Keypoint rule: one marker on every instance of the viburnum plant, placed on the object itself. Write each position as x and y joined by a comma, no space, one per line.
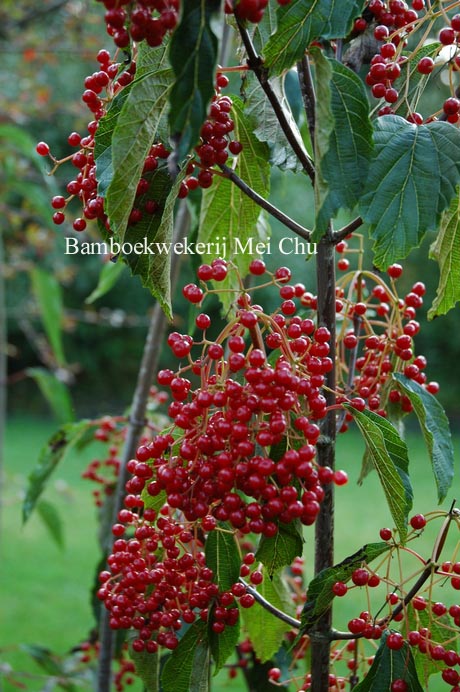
213,515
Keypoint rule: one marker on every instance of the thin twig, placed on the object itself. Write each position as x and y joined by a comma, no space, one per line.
262,202
255,63
281,615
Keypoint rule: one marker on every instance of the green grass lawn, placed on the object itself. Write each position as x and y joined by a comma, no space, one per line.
45,590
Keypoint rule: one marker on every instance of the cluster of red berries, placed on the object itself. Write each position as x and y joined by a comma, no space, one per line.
378,333
215,145
392,22
250,10
148,20
110,80
241,450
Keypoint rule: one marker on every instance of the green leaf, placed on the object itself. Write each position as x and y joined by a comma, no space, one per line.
266,631
223,645
51,519
110,274
267,127
388,453
435,428
390,665
50,456
412,179
47,293
55,392
280,550
147,668
446,251
137,126
302,21
441,633
228,218
343,140
187,669
154,234
320,594
193,57
222,557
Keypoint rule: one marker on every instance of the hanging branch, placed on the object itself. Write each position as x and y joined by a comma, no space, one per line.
136,424
280,614
255,64
262,202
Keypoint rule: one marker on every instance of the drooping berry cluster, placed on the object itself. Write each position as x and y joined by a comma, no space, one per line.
100,88
215,144
148,20
391,23
376,338
240,454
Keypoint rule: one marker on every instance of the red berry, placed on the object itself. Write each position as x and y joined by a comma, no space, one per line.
446,36
395,641
425,65
418,521
42,149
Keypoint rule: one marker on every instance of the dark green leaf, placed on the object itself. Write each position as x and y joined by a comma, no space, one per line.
343,140
302,21
147,668
154,234
390,665
222,556
435,428
320,594
412,179
223,645
55,392
446,251
137,126
280,550
110,273
193,56
187,669
50,456
47,293
51,519
266,631
388,453
228,218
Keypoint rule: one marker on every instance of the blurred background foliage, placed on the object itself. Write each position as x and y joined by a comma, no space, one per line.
47,49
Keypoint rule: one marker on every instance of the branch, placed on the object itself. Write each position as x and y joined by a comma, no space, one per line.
262,202
346,230
148,367
256,65
308,94
280,614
